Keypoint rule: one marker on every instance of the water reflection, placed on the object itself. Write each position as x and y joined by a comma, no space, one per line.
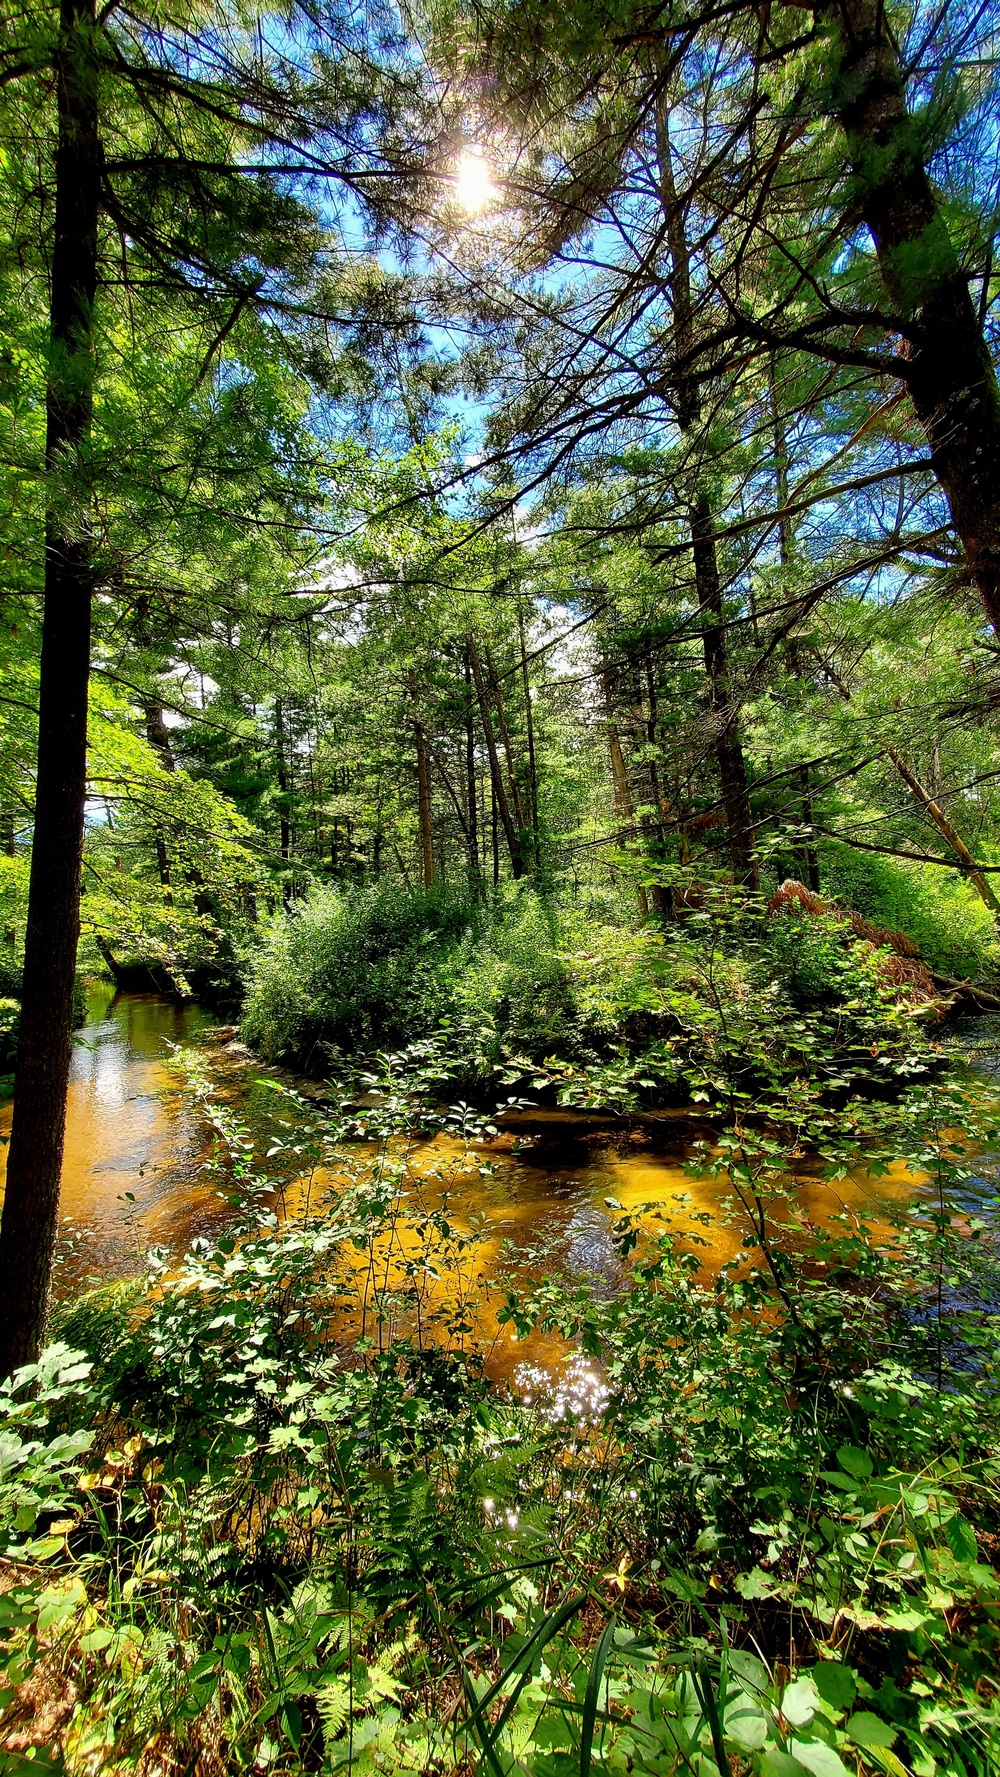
132,1141
135,1176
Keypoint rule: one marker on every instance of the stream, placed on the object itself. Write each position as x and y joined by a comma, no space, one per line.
135,1173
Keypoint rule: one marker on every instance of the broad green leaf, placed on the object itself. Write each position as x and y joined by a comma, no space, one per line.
835,1683
819,1758
961,1539
856,1462
866,1729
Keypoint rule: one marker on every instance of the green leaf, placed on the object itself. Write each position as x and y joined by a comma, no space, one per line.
591,1696
856,1462
866,1729
780,1764
835,1683
961,1539
799,1701
819,1758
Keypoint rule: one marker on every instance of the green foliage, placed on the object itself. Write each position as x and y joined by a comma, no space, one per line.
354,970
524,990
748,1530
954,931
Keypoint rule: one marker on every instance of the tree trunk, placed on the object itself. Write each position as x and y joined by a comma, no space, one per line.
423,788
529,722
619,778
472,799
31,1203
948,370
807,852
496,776
284,827
708,587
515,793
494,833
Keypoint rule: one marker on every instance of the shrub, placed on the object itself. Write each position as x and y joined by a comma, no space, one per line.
359,971
955,933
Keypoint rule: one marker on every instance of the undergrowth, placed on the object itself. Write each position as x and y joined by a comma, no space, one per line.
523,990
265,1512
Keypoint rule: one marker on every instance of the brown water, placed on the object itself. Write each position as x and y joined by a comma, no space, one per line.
136,1174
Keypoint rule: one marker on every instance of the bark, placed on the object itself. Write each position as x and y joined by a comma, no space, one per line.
502,806
423,788
494,834
624,809
807,852
529,721
515,792
285,830
708,587
948,369
472,798
31,1203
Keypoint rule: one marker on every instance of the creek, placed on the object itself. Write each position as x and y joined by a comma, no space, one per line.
136,1171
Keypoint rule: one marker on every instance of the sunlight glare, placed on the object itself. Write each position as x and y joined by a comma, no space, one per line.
475,189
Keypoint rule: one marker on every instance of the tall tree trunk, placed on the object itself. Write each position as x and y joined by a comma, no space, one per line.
515,792
471,794
496,776
423,787
807,852
948,369
494,833
708,587
529,722
619,778
34,1163
284,824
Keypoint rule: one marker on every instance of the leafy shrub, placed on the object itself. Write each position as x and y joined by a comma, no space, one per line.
354,970
596,1013
955,933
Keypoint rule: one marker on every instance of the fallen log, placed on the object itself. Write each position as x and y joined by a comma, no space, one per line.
974,992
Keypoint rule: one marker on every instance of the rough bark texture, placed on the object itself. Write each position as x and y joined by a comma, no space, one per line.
708,588
948,369
501,804
31,1203
423,788
624,809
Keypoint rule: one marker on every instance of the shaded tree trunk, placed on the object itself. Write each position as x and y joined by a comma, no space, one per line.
423,788
807,852
502,806
471,793
947,366
708,587
515,792
31,1204
529,722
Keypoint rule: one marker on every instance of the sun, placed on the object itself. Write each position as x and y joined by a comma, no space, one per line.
474,185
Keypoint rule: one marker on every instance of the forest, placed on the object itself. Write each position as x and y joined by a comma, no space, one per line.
500,888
